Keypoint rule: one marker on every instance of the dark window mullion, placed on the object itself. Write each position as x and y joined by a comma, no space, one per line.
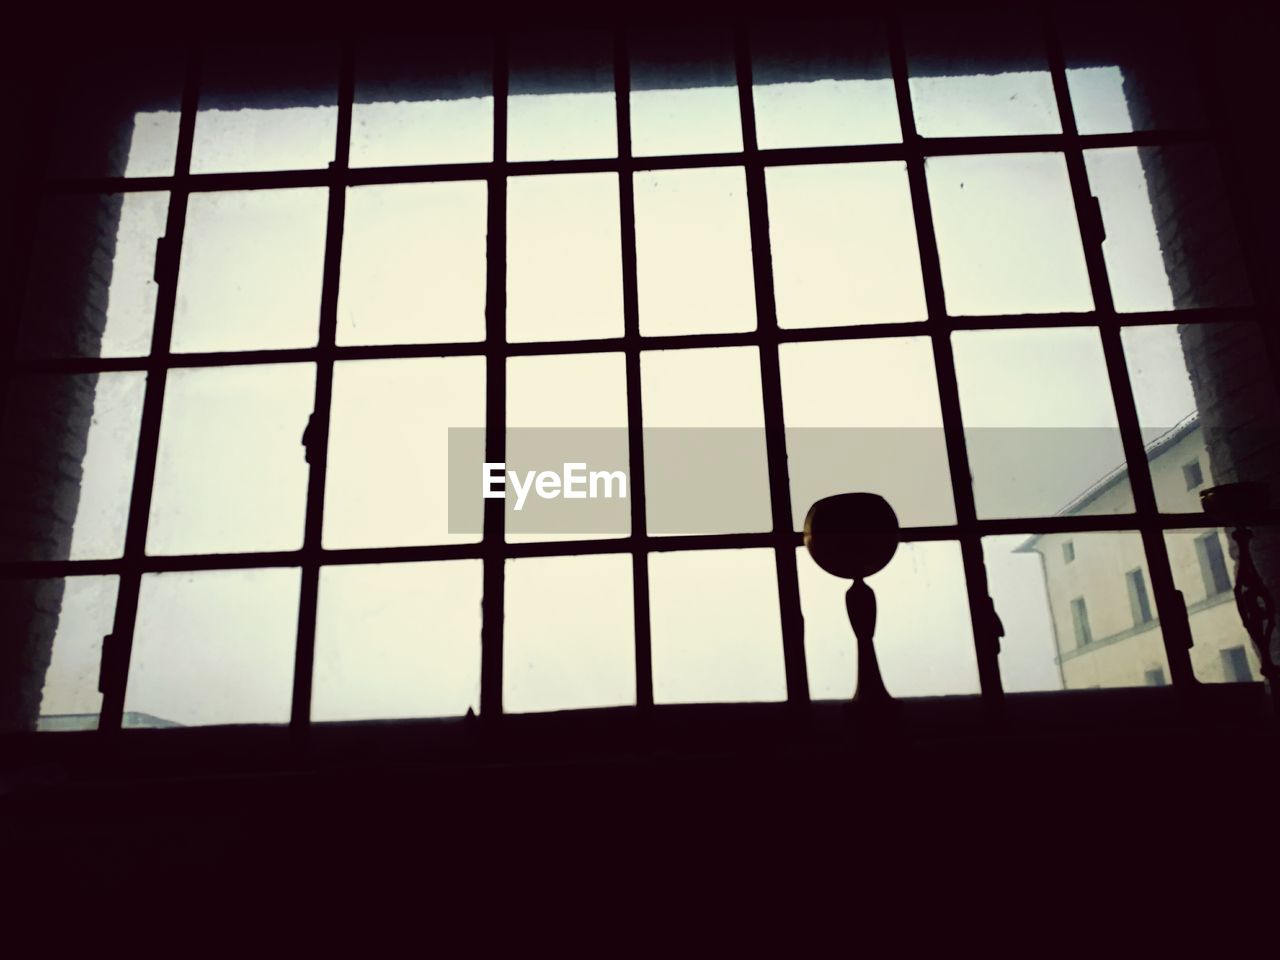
117,651
684,341
426,173
985,634
318,427
632,345
1176,631
493,604
771,386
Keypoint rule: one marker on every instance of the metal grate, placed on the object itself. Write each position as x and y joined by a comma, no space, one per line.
968,530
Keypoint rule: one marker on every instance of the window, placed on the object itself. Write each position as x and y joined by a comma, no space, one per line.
1139,605
1080,621
1192,474
1235,665
1213,565
869,252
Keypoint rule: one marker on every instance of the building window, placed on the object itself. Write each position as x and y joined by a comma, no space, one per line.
1213,565
1155,677
774,229
1139,605
1235,665
1192,473
1080,620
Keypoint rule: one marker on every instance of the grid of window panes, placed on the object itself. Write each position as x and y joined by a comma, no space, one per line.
877,226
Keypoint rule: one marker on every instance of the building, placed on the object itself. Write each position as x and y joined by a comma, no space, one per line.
1105,626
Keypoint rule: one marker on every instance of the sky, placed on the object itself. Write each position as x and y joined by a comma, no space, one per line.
403,640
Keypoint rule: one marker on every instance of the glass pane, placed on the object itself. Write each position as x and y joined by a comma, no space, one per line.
214,647
561,104
716,629
843,240
706,468
684,93
251,272
1208,408
1128,71
428,100
413,264
822,84
865,415
388,448
231,473
269,107
568,638
980,74
69,446
1007,234
91,290
55,629
1171,243
125,128
564,258
1040,424
1072,618
693,250
923,638
398,641
1205,564
569,408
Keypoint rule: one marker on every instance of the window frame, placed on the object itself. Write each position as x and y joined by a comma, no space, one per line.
968,530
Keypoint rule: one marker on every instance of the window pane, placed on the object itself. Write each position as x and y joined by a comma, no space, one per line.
561,104
923,638
1205,563
231,473
1205,396
252,269
823,84
1070,625
979,75
1007,235
865,415
843,241
428,100
214,647
684,93
398,640
564,258
413,264
1040,424
706,469
269,107
60,651
125,128
716,629
1170,244
569,637
69,446
1129,71
568,408
693,248
91,290
388,448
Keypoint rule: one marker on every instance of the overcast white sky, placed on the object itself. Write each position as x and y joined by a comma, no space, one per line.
403,641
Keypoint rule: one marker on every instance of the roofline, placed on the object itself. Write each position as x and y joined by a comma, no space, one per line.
1154,449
